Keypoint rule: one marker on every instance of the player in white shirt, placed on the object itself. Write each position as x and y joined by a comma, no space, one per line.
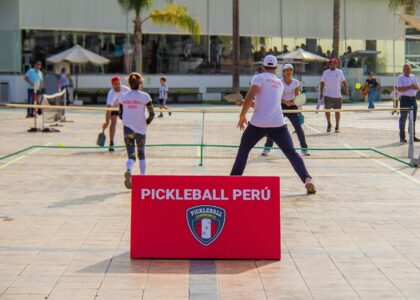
133,106
267,120
291,90
111,117
407,87
331,82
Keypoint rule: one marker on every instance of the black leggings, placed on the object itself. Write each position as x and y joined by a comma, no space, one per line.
281,136
294,119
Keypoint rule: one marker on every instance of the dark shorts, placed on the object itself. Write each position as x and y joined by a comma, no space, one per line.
114,113
334,103
162,101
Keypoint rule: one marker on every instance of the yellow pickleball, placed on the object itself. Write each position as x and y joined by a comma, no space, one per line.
61,145
358,86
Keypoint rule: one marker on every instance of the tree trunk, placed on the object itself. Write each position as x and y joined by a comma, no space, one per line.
138,50
336,29
236,46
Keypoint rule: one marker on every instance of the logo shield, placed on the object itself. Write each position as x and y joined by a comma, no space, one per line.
206,222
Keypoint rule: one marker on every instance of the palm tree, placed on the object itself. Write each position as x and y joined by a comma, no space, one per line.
171,14
336,29
410,5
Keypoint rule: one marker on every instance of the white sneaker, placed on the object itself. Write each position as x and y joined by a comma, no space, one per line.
127,181
265,152
310,187
305,153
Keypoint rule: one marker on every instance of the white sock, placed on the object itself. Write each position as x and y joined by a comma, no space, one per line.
130,164
142,167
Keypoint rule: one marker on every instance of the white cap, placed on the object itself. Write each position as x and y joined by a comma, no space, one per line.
287,66
270,61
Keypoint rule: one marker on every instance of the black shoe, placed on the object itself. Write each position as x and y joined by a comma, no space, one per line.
337,130
170,113
329,128
416,139
403,141
111,147
160,116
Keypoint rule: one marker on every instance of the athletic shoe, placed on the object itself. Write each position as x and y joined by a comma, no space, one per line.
337,130
170,113
416,139
310,187
329,128
111,147
305,153
160,116
127,181
265,152
403,141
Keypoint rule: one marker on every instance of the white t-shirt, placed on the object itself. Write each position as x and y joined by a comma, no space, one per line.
404,81
267,107
134,110
289,89
163,91
113,96
333,80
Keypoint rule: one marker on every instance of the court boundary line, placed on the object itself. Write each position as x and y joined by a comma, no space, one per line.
379,162
31,150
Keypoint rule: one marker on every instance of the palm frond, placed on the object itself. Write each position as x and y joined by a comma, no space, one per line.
395,4
177,15
135,5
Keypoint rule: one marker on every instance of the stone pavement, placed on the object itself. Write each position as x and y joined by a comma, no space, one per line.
64,234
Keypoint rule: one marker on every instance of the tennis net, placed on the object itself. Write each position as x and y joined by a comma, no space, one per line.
211,134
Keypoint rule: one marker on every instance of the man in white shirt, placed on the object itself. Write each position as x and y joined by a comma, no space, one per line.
331,82
112,101
407,86
267,120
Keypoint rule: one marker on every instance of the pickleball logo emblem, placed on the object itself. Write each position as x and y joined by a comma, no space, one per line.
206,222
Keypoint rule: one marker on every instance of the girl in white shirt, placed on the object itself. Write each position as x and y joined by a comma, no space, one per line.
133,106
291,90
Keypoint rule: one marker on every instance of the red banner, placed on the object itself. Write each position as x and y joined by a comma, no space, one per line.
231,217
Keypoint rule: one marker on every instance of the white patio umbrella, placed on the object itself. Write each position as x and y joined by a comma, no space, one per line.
301,55
78,55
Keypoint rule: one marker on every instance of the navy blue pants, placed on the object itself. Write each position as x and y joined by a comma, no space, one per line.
294,119
407,102
30,110
281,136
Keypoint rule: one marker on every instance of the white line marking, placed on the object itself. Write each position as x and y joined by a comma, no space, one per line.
374,160
21,157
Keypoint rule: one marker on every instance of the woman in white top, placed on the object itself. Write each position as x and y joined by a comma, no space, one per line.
291,90
133,106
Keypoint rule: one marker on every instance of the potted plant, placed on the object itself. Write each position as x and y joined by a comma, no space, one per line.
386,93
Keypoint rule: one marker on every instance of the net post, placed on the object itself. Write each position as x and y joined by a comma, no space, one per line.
43,115
415,162
411,134
202,140
65,104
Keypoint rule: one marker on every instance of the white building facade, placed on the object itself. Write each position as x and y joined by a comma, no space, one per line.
33,30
